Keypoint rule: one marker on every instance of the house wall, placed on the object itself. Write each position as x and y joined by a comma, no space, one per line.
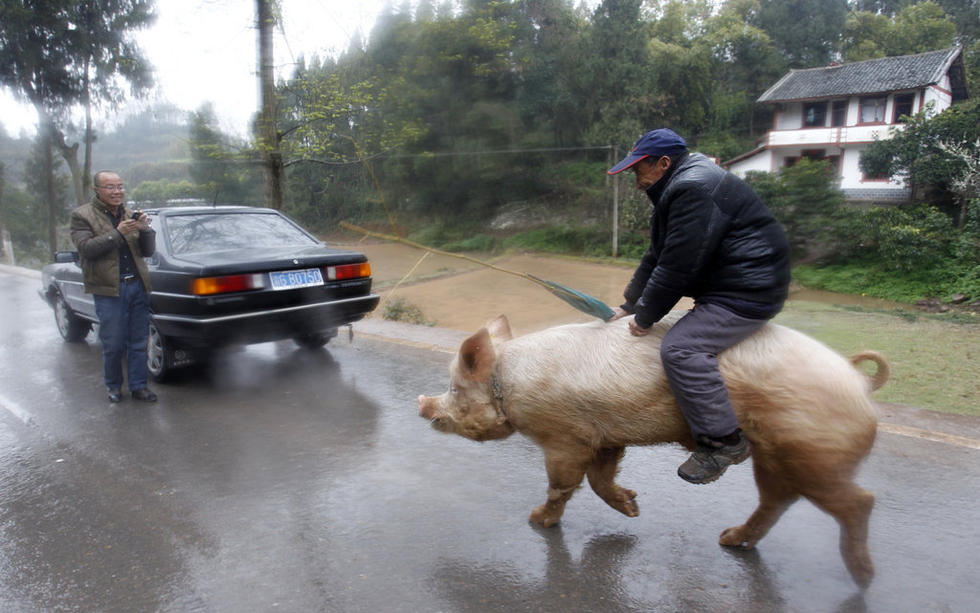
789,139
762,162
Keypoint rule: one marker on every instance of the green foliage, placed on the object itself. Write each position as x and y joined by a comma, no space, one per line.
917,151
158,193
803,197
805,31
920,27
587,241
28,236
903,254
903,239
480,243
916,28
399,309
869,278
222,171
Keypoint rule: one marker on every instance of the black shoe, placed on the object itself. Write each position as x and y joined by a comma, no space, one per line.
115,396
144,395
712,457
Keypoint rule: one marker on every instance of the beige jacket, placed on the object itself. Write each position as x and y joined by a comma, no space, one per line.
98,243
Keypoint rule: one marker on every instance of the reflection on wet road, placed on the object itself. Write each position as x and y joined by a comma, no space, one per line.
290,480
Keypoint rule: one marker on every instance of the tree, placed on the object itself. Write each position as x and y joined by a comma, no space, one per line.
914,29
744,63
923,152
2,224
965,184
267,135
57,54
803,197
919,28
106,60
805,31
864,35
221,167
35,60
44,177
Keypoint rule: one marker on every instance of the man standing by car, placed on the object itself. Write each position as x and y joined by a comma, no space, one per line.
711,238
111,243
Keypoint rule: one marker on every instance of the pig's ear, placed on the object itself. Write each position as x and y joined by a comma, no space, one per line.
499,329
476,356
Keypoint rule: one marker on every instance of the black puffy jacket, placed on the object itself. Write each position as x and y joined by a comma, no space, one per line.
710,235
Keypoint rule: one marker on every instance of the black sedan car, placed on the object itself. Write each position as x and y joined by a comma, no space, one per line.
227,275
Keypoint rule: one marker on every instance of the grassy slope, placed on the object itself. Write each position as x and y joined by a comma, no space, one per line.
934,364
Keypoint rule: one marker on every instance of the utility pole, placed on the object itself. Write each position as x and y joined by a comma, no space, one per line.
615,215
267,136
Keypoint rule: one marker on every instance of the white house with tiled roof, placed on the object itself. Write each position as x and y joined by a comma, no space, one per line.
835,112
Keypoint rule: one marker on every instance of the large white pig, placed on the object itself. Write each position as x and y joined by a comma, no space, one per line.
585,392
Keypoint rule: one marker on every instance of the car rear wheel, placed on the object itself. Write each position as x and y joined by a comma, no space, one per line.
159,355
71,327
314,340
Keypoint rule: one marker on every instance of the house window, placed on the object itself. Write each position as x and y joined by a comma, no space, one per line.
838,114
815,115
873,109
903,106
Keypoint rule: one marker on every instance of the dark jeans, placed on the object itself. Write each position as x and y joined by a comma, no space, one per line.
690,359
124,324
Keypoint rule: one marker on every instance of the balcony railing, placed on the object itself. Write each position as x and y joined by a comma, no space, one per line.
811,137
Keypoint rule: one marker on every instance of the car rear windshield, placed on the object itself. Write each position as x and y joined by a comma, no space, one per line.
226,231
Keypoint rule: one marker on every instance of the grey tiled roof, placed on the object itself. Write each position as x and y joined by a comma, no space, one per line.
868,77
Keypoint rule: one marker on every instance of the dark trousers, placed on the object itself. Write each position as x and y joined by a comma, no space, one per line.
124,324
690,359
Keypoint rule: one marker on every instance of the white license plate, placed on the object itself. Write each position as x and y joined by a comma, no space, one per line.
292,279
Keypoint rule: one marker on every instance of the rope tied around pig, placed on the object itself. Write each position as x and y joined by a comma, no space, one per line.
498,394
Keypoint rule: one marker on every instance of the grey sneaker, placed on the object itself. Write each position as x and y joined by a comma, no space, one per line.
711,458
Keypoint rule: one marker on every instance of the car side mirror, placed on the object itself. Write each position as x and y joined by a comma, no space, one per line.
65,257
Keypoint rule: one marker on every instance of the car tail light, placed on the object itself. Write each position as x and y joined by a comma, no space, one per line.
206,286
348,271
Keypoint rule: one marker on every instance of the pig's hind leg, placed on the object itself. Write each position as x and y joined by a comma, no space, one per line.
566,467
602,477
776,494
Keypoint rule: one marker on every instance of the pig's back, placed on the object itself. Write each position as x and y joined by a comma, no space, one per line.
800,389
595,380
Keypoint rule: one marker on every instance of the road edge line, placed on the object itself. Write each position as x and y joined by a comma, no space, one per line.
929,435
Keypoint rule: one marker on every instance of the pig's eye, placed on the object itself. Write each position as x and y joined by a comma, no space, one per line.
452,389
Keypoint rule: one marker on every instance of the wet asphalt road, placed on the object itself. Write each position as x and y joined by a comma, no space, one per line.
289,480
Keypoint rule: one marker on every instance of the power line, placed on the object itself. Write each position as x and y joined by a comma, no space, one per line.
447,154
503,151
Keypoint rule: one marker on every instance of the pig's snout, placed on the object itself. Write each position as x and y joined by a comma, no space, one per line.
427,406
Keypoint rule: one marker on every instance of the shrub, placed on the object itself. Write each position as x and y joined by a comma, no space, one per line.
398,309
905,239
590,241
804,198
480,242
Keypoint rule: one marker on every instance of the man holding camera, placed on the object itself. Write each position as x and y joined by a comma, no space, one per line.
112,242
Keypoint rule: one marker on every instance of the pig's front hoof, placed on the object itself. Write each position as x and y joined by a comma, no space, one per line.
737,537
543,517
627,503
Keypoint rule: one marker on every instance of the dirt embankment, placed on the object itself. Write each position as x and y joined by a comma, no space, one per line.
463,295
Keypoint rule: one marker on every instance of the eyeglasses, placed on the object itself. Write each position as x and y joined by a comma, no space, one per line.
111,188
